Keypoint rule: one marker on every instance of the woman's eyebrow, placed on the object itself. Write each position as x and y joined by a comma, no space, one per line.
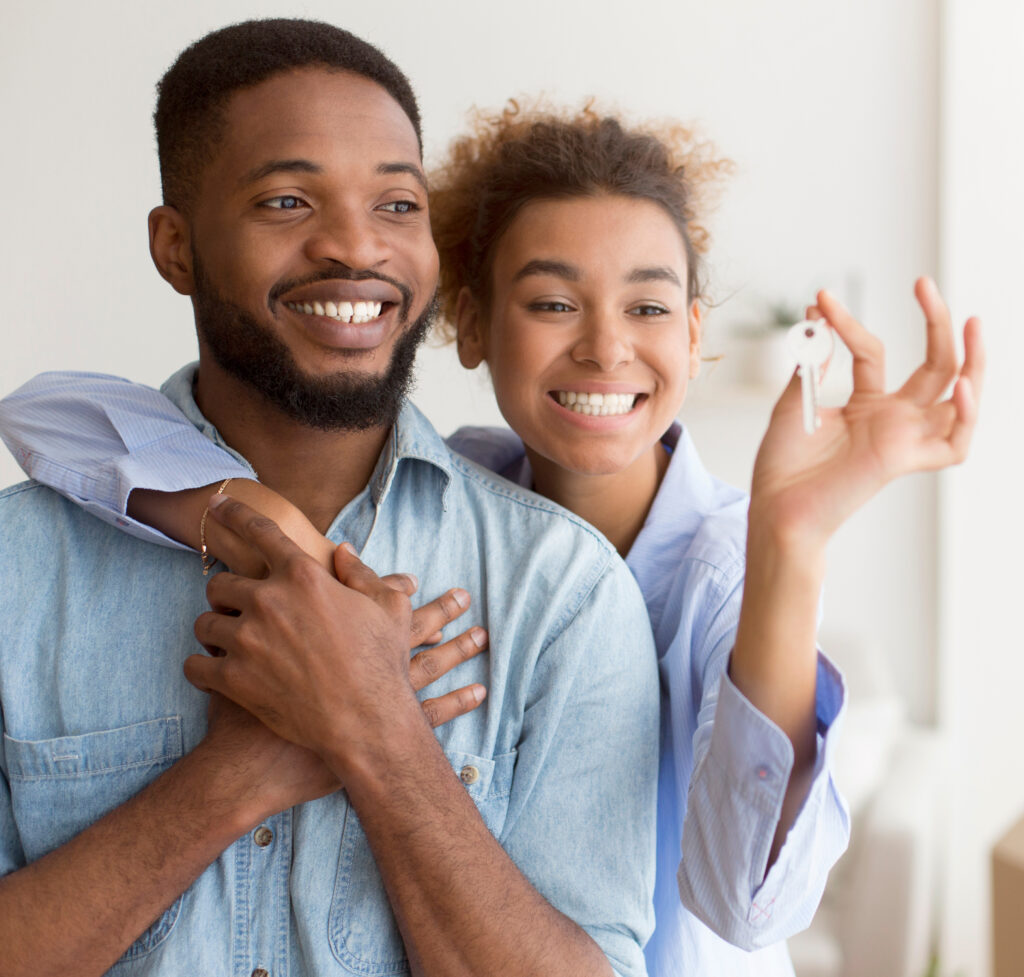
661,273
540,266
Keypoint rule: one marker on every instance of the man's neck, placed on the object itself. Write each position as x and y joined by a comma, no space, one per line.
320,472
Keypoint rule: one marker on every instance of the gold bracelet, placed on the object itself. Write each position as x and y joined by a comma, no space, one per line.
208,562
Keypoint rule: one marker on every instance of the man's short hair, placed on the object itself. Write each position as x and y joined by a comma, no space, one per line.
192,95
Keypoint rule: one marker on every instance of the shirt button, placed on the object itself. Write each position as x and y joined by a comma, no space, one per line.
260,972
263,836
469,774
762,773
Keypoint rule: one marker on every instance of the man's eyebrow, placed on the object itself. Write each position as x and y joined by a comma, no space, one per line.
411,168
541,267
661,273
280,166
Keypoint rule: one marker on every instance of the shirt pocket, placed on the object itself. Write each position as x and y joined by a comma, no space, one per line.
362,929
61,786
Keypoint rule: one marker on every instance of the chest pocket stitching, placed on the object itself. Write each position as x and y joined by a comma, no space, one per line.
153,745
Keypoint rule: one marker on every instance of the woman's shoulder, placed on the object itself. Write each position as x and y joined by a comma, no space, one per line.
496,448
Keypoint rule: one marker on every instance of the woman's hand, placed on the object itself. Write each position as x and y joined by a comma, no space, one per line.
805,486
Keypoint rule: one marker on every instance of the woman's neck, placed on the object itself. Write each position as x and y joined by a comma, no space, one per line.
617,504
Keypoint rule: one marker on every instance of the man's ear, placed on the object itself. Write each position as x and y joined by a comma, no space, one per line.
469,330
170,247
695,328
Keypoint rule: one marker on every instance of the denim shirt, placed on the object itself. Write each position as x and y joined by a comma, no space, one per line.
95,625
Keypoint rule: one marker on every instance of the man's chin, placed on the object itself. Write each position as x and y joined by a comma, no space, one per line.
352,393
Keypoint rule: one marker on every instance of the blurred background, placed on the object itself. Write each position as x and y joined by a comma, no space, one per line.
874,141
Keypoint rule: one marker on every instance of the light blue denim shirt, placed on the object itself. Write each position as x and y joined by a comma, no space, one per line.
95,625
724,765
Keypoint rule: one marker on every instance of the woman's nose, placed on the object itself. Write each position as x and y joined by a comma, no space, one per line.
604,342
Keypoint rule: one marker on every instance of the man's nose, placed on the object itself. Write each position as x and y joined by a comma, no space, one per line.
345,235
604,341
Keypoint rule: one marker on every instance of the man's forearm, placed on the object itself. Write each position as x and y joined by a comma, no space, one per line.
77,909
462,906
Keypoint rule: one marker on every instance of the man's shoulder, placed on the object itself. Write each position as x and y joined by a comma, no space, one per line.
520,506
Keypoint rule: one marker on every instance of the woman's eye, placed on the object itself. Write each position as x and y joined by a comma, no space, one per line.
284,203
401,207
649,310
551,306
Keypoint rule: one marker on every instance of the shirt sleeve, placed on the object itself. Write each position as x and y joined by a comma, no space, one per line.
742,763
95,438
581,817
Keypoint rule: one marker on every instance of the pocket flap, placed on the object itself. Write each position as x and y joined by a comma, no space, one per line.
141,744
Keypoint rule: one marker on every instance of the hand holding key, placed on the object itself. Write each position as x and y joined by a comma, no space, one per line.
808,487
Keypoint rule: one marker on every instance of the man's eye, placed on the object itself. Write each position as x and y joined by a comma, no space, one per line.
401,207
284,203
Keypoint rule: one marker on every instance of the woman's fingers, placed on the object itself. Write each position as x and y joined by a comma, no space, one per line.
866,348
430,620
430,665
928,382
447,707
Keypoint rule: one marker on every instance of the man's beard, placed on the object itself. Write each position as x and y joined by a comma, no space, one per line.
342,401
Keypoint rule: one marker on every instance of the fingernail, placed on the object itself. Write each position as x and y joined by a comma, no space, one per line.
350,549
413,579
479,636
478,693
218,500
461,597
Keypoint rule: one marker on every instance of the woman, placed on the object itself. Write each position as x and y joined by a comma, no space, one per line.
570,252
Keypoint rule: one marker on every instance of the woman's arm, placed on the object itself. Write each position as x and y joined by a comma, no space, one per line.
804,487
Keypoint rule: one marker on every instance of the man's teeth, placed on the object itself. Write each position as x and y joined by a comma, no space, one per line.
596,405
354,312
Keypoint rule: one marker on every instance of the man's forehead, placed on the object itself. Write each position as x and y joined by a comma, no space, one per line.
320,110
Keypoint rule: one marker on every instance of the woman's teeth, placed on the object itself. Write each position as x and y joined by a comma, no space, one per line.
354,312
596,405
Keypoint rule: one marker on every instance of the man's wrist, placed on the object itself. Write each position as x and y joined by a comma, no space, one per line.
384,754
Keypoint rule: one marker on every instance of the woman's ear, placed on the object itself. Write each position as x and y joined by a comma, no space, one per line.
469,330
170,247
694,320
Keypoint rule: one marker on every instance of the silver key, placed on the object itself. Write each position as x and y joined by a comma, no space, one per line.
811,344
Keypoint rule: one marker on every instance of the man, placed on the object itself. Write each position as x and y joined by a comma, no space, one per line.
518,839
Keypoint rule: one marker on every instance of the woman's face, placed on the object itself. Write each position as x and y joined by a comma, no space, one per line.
588,304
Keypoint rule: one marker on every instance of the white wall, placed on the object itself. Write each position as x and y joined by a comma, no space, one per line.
981,664
828,108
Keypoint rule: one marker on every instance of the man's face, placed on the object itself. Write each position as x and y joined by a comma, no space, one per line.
313,265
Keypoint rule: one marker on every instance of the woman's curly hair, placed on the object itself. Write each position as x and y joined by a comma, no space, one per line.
535,152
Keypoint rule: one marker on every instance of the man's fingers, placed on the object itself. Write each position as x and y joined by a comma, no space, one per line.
203,672
404,583
257,530
446,707
429,620
215,631
357,576
430,665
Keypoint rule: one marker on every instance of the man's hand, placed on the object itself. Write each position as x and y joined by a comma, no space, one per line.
322,662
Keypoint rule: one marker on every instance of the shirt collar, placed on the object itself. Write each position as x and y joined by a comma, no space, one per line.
412,437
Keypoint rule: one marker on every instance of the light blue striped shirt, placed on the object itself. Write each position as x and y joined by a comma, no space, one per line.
724,765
